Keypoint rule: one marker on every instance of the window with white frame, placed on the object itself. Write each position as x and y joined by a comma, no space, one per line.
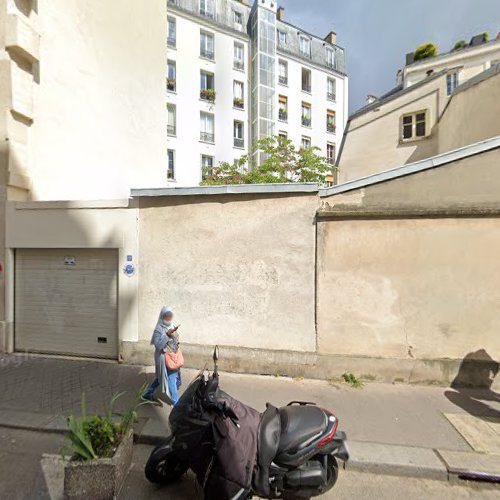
331,89
239,56
171,32
207,127
171,76
306,114
330,153
207,8
238,95
451,82
171,119
283,72
306,80
283,108
207,86
171,164
414,125
305,46
331,121
281,37
282,136
305,142
207,165
238,19
330,57
239,137
207,45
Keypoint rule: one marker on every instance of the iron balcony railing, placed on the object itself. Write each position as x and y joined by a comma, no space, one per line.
283,80
239,143
306,121
306,88
330,96
283,115
206,137
171,42
330,127
237,64
171,129
207,53
330,160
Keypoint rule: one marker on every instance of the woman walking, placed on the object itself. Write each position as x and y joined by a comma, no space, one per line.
164,339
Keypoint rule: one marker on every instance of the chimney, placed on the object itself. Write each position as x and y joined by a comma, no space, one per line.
331,38
280,13
370,98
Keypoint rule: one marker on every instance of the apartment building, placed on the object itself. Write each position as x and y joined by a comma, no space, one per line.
237,73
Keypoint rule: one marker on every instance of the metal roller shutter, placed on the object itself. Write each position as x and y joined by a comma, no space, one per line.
66,301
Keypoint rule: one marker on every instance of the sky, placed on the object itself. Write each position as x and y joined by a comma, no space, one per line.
377,34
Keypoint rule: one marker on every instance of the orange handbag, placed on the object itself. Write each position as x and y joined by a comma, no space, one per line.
174,360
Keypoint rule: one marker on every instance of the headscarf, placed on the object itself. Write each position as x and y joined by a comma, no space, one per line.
162,327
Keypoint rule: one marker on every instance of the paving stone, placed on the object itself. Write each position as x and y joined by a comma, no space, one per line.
479,432
395,460
471,464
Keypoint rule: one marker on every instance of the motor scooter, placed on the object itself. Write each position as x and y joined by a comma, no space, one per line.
294,454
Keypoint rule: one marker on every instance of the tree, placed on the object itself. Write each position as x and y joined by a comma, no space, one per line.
281,162
426,50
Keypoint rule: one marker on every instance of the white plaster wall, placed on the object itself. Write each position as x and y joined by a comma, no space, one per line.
100,117
187,145
319,103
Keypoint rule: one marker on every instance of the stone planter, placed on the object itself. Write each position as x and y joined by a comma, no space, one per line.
99,479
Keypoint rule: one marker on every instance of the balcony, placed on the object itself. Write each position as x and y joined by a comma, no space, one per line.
306,121
283,115
171,130
239,65
330,96
171,42
171,84
238,103
207,13
207,95
306,88
283,80
331,128
207,137
239,143
207,53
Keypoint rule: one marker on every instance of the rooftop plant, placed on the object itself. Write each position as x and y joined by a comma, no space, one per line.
425,51
460,45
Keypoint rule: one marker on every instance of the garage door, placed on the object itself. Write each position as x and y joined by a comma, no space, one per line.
66,302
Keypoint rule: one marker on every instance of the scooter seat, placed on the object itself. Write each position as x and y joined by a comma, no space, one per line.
300,425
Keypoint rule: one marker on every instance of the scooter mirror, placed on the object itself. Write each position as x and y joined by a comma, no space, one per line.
216,354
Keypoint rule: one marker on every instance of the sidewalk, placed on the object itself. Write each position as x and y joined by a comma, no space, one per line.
396,429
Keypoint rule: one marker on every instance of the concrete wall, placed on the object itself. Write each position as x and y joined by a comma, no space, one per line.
99,103
239,269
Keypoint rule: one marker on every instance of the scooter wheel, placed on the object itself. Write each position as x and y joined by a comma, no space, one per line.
163,466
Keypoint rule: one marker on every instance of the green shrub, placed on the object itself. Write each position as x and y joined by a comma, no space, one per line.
352,380
486,36
460,45
425,51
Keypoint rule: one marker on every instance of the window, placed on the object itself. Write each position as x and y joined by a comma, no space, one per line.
283,72
207,164
239,56
238,19
281,37
206,45
331,125
171,164
282,136
207,8
207,127
239,138
331,89
207,89
238,96
306,80
305,143
306,114
414,125
283,108
171,119
171,76
330,57
330,153
451,83
171,32
305,46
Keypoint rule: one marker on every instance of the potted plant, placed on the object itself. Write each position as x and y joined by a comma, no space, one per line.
425,51
100,448
238,102
171,84
207,94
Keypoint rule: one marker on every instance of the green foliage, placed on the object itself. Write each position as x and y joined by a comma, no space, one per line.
460,45
425,51
98,436
352,380
281,162
208,94
486,36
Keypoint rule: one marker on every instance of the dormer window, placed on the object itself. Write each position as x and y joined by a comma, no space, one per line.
305,46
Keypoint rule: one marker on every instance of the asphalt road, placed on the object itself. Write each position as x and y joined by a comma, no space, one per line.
21,479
